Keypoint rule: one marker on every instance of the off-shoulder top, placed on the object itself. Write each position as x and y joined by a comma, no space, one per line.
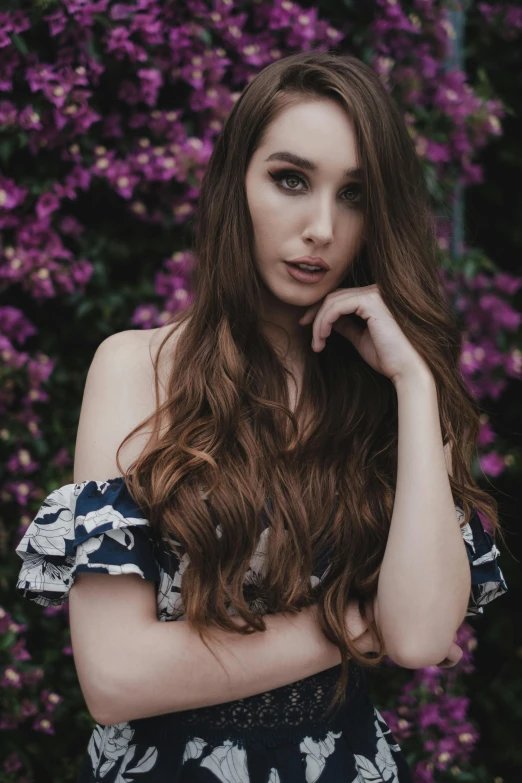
278,736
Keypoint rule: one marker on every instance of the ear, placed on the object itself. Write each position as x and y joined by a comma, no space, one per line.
447,456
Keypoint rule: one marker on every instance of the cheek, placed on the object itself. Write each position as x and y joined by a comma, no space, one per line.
266,219
354,227
264,207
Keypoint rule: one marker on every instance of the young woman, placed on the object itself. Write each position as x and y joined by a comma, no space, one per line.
286,467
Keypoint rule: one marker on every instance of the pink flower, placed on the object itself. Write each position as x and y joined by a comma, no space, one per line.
46,205
493,463
44,723
12,763
28,708
10,678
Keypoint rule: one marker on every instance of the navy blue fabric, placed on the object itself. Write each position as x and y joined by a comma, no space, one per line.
487,580
93,527
274,737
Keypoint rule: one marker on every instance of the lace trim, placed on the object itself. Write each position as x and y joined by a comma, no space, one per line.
282,714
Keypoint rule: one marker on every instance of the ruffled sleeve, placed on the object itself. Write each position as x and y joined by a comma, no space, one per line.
93,526
487,580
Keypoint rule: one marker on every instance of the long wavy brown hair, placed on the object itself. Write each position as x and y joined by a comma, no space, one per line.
226,448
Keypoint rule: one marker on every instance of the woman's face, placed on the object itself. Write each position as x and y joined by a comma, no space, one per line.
310,207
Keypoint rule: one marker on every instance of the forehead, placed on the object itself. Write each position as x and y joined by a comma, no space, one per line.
319,130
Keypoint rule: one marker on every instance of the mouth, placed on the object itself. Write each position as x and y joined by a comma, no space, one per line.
309,263
305,275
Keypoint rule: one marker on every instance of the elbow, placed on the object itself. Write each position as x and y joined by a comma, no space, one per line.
98,709
102,712
104,700
414,661
418,653
419,657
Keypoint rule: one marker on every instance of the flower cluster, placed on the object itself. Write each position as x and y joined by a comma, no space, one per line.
24,701
505,19
449,120
431,709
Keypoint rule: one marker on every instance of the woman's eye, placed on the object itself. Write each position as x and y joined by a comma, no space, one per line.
279,176
354,189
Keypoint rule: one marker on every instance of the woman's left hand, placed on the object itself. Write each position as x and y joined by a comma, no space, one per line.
380,342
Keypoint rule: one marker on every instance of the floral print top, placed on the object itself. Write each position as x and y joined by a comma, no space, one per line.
279,736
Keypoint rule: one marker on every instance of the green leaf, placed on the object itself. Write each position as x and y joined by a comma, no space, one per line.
91,48
7,640
205,36
6,149
85,307
23,139
469,268
19,44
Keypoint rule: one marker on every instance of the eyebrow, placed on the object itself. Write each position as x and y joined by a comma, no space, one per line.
309,165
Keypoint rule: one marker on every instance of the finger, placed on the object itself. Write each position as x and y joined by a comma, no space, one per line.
331,310
322,326
310,314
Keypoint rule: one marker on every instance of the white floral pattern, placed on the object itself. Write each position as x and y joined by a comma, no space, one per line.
95,526
111,746
228,763
316,754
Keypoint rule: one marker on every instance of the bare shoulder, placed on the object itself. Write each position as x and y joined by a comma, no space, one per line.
119,396
155,339
135,351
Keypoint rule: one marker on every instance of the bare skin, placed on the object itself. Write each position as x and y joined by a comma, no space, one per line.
312,213
296,211
308,213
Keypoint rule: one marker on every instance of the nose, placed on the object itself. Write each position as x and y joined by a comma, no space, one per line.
320,224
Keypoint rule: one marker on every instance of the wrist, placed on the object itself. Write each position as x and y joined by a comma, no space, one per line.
419,378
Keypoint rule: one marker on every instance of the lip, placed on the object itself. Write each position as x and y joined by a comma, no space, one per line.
305,277
314,260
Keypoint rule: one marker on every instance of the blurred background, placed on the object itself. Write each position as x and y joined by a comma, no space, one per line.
108,113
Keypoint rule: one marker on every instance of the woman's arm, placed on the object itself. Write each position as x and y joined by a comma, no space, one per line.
175,671
424,582
130,665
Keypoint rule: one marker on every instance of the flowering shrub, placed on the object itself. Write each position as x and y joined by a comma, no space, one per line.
108,112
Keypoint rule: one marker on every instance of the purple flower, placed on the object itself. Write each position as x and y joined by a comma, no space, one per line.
70,225
10,678
151,82
57,22
22,462
44,723
11,195
493,463
486,434
507,283
437,152
12,763
15,325
18,651
46,205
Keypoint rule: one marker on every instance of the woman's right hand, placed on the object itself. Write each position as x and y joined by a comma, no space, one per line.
358,628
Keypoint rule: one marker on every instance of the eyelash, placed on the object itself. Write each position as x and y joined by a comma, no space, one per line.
280,175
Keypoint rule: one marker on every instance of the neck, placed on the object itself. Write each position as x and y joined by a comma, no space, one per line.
279,323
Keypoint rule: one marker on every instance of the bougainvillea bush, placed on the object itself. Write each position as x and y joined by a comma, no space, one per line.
108,113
